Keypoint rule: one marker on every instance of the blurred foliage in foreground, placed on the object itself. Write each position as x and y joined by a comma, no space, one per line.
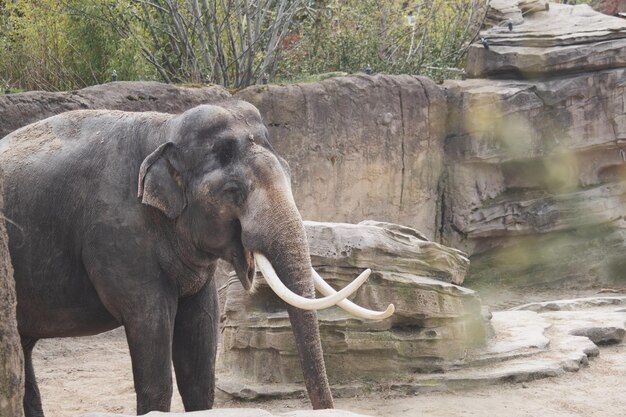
68,44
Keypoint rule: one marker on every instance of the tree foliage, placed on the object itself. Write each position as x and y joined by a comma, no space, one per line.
67,44
228,42
60,45
420,37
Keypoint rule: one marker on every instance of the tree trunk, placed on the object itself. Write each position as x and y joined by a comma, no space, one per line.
11,361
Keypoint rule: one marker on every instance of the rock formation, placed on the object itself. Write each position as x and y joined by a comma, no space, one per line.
535,163
11,362
434,326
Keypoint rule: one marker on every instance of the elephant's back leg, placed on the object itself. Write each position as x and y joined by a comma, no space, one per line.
32,397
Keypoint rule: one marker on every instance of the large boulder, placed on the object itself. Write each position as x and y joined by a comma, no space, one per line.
435,323
11,360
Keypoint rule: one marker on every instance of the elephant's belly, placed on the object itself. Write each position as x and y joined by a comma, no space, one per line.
38,322
69,308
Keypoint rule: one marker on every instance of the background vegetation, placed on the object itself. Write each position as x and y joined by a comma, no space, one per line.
69,44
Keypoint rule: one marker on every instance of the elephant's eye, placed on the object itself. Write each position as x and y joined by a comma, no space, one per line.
226,151
234,191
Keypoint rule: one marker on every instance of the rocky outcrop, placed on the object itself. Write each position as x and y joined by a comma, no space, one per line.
559,39
17,110
535,169
383,247
11,361
529,345
434,325
360,147
534,157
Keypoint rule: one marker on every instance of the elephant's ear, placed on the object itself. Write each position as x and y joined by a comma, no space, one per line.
160,183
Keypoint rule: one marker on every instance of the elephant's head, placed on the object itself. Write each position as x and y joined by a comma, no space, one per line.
219,180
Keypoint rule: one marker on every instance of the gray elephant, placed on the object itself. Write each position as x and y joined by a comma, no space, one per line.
119,218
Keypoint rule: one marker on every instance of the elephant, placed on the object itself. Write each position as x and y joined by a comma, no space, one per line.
118,219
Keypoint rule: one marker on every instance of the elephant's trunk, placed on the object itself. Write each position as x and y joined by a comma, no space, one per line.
273,230
292,264
276,231
307,335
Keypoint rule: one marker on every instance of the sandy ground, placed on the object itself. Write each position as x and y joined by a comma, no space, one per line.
94,374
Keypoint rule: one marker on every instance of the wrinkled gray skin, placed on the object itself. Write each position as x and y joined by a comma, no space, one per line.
90,255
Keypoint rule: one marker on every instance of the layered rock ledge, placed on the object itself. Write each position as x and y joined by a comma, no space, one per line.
435,323
534,341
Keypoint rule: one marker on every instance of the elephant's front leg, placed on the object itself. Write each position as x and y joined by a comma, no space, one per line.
195,347
149,334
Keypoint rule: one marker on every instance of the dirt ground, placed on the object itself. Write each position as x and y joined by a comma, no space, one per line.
94,374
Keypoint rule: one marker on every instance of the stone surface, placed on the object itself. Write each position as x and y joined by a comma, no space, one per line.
563,39
11,361
435,323
575,304
601,336
605,325
360,147
18,110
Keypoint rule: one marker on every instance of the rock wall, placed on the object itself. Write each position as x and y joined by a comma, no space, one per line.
360,147
11,361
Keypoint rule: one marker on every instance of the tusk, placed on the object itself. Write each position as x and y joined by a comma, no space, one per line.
323,287
296,300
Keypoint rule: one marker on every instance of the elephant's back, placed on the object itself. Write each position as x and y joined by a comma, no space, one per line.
82,144
72,135
75,158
